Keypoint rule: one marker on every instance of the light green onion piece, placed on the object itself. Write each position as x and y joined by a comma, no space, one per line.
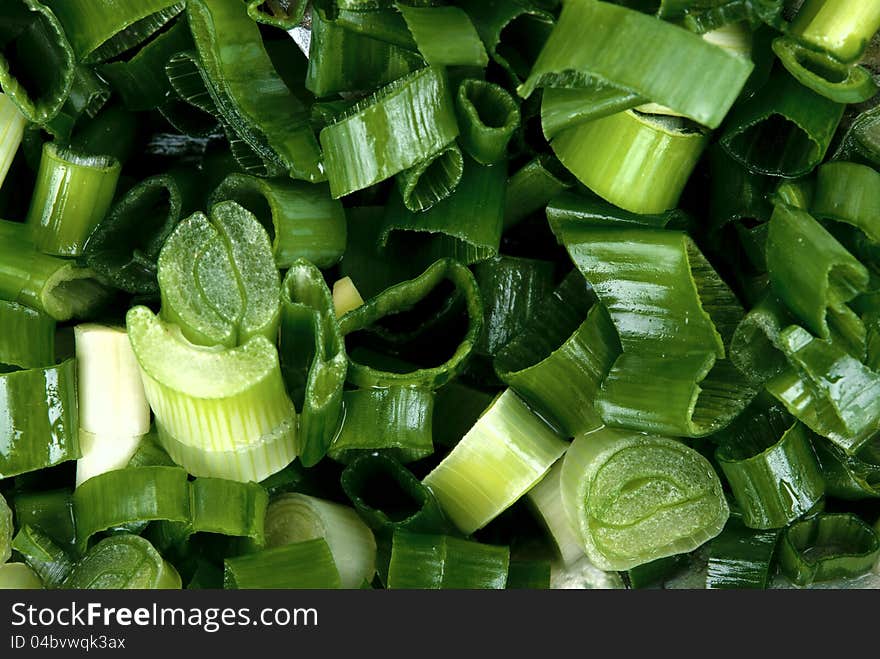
50,563
72,195
634,498
842,28
19,576
445,36
546,501
487,117
500,459
218,280
5,530
293,517
124,562
12,124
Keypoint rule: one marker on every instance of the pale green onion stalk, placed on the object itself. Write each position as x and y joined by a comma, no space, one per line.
12,124
546,501
735,38
18,576
294,517
113,410
498,461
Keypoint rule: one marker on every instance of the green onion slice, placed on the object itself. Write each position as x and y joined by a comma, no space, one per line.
403,296
450,228
531,187
849,192
301,218
488,117
49,511
124,562
387,496
501,458
438,562
849,477
40,422
27,336
19,576
637,54
247,91
785,129
73,192
218,280
432,180
842,29
824,74
100,33
40,82
284,14
444,36
563,108
545,499
559,360
342,60
313,358
294,517
5,530
673,338
391,420
224,411
50,563
124,247
828,546
741,557
12,125
634,498
135,494
771,468
306,564
412,119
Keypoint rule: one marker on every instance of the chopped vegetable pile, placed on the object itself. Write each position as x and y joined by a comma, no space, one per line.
439,294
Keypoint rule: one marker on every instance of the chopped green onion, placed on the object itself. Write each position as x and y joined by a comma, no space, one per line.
415,117
636,53
38,428
635,498
393,420
72,195
18,576
125,562
842,29
849,477
5,530
293,518
488,117
557,363
828,546
501,458
531,187
432,180
849,192
306,564
284,14
636,161
546,500
444,36
771,468
313,358
27,339
218,280
741,557
437,561
824,74
247,91
12,124
785,129
50,512
301,219
50,563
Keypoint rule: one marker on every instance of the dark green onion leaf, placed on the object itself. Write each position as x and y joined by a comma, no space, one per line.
48,511
559,360
639,54
395,421
432,180
487,117
402,296
313,358
44,557
849,477
824,74
563,108
27,336
284,14
247,91
466,226
571,210
828,546
38,418
771,468
341,60
410,119
783,130
444,36
849,192
741,557
437,562
531,187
